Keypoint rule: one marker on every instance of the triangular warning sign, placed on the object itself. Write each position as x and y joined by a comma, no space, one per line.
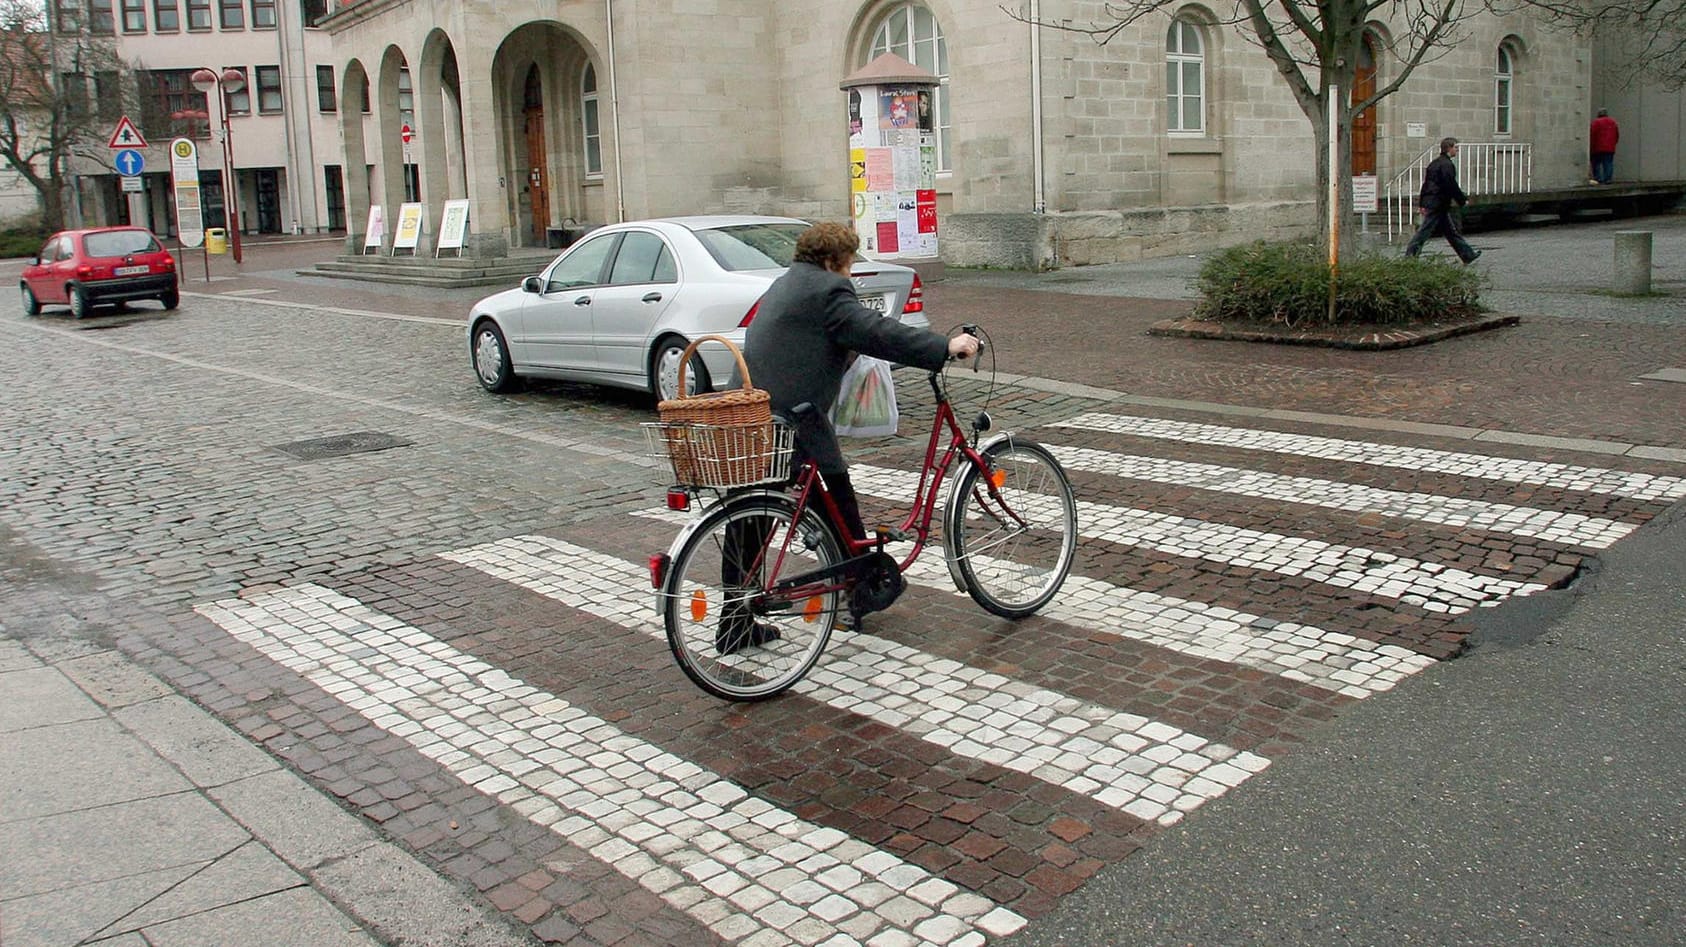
127,135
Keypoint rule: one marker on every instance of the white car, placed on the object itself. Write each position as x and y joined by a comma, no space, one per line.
620,306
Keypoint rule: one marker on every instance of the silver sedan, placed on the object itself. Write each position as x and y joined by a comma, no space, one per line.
620,306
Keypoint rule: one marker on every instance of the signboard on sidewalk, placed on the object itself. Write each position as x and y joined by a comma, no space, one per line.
453,226
408,233
184,173
1364,194
375,232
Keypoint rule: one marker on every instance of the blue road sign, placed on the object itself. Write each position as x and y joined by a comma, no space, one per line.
129,162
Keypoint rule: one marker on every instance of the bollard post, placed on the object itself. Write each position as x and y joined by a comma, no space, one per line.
1633,262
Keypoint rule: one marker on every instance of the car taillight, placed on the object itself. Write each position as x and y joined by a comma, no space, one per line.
749,316
169,262
84,272
915,297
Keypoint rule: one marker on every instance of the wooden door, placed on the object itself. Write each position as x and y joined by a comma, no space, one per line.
535,175
1364,123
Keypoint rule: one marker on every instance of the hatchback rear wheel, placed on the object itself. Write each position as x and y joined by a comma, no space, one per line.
171,299
31,305
79,304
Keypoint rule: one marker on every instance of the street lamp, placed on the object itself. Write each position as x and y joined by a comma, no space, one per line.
226,83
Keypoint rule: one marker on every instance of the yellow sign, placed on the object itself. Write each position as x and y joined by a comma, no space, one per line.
408,234
857,170
184,148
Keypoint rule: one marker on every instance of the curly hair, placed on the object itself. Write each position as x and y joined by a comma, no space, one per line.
825,242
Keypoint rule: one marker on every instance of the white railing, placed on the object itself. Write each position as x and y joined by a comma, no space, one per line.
1484,167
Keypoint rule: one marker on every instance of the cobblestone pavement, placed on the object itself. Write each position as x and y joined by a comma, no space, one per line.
454,637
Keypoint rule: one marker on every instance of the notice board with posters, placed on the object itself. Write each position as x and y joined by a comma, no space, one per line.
893,165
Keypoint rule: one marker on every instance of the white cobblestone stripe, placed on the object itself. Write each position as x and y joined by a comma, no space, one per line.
1576,529
1148,769
1331,660
1639,486
1429,586
744,868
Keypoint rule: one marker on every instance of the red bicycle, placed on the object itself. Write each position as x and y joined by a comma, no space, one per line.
751,590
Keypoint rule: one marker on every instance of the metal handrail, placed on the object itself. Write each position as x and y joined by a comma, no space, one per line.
1484,167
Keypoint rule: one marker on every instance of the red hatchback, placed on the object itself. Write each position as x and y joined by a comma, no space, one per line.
86,268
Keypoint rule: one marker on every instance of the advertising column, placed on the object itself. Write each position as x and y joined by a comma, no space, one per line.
893,159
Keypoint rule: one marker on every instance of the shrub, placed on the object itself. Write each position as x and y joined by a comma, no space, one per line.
16,243
1287,284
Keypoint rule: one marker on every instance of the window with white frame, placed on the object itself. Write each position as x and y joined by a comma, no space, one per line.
913,33
1185,79
589,123
1504,76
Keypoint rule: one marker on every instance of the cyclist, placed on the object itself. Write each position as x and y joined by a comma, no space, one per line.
808,325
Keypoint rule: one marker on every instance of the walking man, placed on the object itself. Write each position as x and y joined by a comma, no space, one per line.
1603,136
1440,189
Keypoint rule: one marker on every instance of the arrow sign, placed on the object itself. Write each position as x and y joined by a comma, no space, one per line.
129,162
126,135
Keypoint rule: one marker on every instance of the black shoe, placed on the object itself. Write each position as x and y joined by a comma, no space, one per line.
850,622
750,636
1473,257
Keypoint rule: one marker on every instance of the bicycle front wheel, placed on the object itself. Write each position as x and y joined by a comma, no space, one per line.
1011,548
732,634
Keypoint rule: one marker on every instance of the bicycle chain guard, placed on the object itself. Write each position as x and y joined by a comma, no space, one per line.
879,584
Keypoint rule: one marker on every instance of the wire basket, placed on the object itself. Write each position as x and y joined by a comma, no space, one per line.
721,455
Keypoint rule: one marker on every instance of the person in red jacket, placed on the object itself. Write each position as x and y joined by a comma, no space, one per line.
1604,134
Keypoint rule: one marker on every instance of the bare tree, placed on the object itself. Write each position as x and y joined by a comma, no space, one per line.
58,90
1316,47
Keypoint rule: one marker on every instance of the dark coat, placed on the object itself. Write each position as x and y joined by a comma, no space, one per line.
799,343
1440,186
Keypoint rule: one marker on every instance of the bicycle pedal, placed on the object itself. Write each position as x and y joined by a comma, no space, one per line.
891,534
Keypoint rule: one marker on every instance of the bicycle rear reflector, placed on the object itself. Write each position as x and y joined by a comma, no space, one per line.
678,499
658,569
811,611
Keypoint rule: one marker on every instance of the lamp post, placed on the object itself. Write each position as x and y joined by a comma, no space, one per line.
226,83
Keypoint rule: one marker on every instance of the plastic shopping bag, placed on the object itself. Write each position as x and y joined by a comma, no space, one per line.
866,403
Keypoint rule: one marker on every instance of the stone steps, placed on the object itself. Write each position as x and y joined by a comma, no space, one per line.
441,272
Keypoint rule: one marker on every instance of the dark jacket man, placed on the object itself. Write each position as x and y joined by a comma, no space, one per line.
1440,185
1440,191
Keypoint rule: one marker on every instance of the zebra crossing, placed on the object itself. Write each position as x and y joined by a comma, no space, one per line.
1117,711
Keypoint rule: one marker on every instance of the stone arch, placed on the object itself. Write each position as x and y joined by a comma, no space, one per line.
535,89
438,91
388,121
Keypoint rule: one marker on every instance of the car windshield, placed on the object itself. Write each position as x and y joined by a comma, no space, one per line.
119,243
752,246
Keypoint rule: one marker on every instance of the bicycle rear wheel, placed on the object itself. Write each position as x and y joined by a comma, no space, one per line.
731,636
1011,550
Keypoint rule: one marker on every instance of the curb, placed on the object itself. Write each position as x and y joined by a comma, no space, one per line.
1364,340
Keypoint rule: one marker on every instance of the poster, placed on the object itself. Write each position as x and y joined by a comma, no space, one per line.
375,232
880,176
857,170
898,108
905,159
887,237
926,203
408,233
452,226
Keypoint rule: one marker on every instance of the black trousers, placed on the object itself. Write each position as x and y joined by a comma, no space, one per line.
1442,222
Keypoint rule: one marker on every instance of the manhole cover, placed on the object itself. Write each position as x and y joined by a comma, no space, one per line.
339,445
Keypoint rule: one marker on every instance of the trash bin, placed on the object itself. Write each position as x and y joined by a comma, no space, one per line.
216,240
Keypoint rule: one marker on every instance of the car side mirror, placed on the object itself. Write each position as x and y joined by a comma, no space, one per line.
532,284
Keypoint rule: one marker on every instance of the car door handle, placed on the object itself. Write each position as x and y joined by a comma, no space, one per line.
582,300
652,297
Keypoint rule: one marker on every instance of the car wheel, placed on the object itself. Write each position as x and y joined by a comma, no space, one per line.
491,358
664,370
79,304
31,305
171,299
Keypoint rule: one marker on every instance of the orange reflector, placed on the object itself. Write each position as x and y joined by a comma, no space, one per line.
811,611
699,605
997,478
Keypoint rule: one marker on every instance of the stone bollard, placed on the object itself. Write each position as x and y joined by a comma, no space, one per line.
1633,262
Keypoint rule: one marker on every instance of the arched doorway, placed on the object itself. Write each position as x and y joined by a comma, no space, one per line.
1364,123
532,111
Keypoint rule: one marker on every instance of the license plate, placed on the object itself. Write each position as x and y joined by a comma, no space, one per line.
132,270
875,302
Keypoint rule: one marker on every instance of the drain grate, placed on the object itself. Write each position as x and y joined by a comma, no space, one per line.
339,445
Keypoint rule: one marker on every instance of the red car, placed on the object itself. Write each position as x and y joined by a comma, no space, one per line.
86,268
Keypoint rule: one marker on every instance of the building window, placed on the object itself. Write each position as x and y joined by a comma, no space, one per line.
269,89
178,109
166,16
233,15
325,90
588,119
134,16
238,103
312,10
198,14
365,93
108,95
1503,75
406,98
913,33
263,14
75,86
70,16
100,19
1185,73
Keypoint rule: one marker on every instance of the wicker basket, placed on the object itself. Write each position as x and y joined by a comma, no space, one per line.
718,438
